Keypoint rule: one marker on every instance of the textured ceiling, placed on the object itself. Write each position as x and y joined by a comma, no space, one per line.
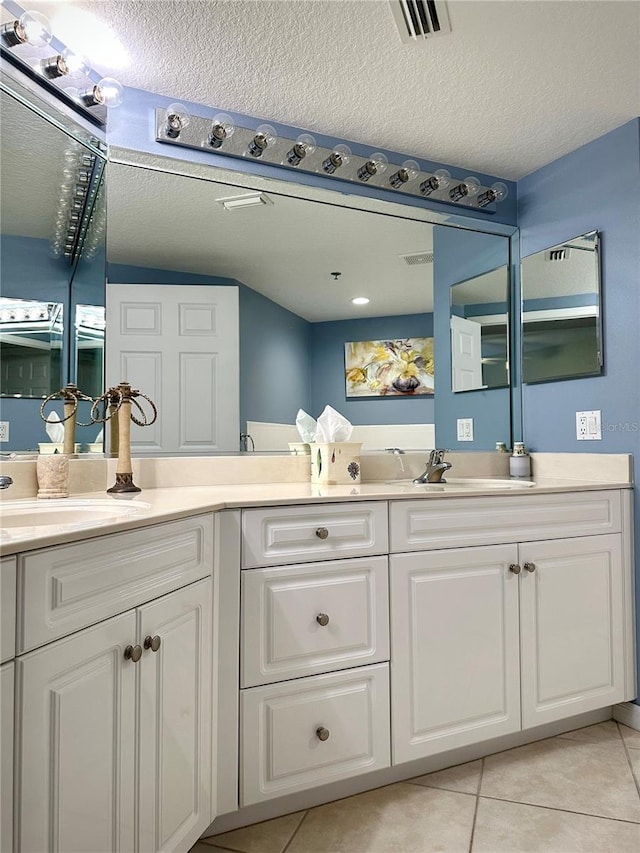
515,85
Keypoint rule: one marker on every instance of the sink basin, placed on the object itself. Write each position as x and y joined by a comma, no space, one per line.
21,519
466,484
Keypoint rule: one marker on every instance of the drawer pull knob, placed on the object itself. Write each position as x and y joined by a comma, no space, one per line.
322,619
322,533
515,568
133,653
322,733
152,643
529,567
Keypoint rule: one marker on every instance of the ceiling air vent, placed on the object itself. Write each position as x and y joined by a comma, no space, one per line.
418,258
557,255
420,19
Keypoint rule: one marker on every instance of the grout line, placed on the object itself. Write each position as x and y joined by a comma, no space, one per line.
564,811
481,776
628,757
438,788
295,832
473,825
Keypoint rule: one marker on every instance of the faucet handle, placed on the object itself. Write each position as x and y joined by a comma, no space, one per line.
437,455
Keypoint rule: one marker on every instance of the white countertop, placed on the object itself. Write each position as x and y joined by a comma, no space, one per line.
165,504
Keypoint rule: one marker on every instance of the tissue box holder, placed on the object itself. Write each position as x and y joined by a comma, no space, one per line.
335,463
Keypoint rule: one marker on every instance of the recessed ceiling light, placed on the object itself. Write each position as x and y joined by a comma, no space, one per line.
360,300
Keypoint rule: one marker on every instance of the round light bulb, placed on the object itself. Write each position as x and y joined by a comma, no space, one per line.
36,28
501,190
308,141
304,144
473,185
109,92
360,300
380,160
268,132
444,178
340,156
265,136
76,63
177,117
222,128
412,168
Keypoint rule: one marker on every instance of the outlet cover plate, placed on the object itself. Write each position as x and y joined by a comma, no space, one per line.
589,426
4,430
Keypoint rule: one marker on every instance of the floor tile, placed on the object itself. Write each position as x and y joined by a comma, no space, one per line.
600,733
630,736
203,847
270,836
593,778
464,778
400,818
634,755
503,827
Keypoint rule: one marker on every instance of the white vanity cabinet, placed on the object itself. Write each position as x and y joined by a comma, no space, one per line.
113,744
7,652
489,639
314,703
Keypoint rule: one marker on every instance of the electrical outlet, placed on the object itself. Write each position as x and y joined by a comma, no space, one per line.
465,429
589,426
4,430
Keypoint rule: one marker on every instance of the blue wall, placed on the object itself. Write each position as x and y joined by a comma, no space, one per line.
458,256
595,187
327,369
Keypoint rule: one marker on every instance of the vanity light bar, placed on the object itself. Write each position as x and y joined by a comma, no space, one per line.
176,126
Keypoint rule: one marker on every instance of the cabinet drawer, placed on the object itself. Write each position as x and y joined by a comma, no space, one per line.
278,535
61,590
299,620
7,608
282,726
459,522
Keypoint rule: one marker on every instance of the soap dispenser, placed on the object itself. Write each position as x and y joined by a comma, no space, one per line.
519,461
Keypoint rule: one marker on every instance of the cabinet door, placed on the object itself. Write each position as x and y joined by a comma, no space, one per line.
76,744
454,649
572,627
6,757
175,720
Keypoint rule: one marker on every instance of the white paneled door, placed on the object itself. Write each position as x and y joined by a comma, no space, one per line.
179,345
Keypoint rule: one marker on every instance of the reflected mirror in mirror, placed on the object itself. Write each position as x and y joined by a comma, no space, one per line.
50,184
298,262
89,337
561,311
480,332
30,347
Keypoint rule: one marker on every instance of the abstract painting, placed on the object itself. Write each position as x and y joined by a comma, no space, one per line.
394,368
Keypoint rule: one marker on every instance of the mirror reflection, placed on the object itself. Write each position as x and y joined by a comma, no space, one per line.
50,198
479,332
561,311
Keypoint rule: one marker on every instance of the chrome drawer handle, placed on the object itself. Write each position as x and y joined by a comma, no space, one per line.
322,619
133,653
152,643
322,733
529,567
322,533
515,568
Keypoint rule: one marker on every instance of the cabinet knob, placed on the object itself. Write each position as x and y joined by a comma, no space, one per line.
322,733
529,567
152,643
133,653
322,533
322,619
515,568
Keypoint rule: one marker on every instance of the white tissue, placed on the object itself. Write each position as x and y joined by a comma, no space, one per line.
306,426
55,431
332,426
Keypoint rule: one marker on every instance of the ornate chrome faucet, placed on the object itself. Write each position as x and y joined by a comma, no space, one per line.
436,466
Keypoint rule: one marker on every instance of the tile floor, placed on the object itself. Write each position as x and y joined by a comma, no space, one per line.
575,793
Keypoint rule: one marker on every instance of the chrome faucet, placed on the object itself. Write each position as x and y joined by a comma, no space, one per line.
436,466
398,453
5,481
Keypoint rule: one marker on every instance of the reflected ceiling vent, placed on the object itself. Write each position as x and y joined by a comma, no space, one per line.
420,19
557,255
418,258
239,202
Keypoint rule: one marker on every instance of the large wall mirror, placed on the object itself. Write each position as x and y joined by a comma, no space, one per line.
562,311
299,255
52,221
